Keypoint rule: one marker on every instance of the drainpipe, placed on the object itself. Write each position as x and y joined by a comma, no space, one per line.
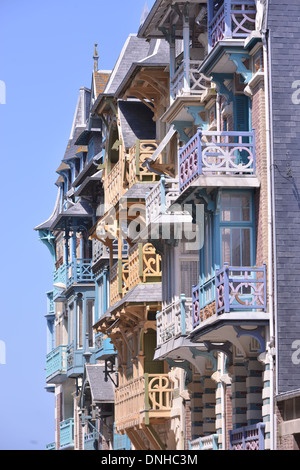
270,182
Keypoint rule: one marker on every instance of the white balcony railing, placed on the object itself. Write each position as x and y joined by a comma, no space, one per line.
174,320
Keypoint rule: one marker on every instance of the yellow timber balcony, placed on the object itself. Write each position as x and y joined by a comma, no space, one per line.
143,400
132,170
142,266
136,171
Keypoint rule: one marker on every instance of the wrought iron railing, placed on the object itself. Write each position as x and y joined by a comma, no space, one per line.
216,153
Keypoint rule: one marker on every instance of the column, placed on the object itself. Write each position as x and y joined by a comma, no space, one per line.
186,53
239,391
254,391
209,401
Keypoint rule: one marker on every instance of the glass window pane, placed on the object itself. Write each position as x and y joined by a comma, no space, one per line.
189,276
236,247
79,324
246,247
226,251
90,322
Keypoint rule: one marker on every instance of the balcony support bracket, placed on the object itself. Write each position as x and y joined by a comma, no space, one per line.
257,334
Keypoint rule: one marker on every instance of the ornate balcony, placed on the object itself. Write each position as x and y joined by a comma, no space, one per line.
67,433
113,185
248,438
143,399
205,443
51,446
233,289
56,365
217,153
138,154
160,198
90,441
143,265
80,271
190,82
59,280
234,20
174,320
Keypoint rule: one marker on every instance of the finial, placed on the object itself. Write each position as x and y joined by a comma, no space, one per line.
144,15
96,58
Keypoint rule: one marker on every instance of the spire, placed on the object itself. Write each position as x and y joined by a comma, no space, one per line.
144,15
96,58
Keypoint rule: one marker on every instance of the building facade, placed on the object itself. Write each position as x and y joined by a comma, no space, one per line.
171,323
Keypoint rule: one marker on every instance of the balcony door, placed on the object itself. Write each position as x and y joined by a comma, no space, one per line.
150,366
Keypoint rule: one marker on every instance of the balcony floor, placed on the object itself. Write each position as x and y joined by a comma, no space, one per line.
218,328
217,181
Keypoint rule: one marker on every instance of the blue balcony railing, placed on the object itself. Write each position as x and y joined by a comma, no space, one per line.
103,346
91,441
248,438
80,271
231,289
56,362
121,441
217,153
51,446
235,19
67,433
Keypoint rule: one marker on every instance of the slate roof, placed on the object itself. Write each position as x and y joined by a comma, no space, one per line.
139,191
157,55
101,391
48,223
133,50
136,121
138,294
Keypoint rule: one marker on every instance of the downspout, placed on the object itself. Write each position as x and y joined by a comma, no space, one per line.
272,294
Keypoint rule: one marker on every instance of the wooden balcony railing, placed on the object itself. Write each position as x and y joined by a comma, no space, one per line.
113,185
56,362
143,265
192,82
161,198
235,19
217,153
231,289
138,154
205,443
248,438
146,397
174,320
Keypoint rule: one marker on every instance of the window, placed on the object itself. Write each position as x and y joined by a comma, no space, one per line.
71,323
237,229
189,272
79,324
90,308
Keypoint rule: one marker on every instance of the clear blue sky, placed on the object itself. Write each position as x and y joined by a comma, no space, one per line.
46,50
